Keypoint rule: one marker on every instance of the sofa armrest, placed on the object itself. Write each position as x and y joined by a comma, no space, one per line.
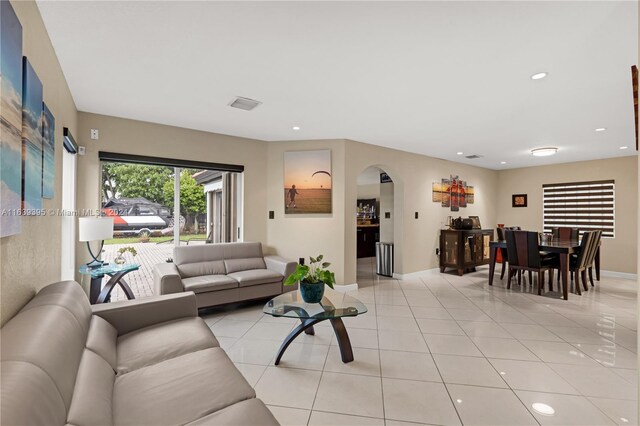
281,266
130,315
166,279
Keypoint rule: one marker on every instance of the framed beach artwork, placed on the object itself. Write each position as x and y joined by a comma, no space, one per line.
11,119
31,138
48,152
307,182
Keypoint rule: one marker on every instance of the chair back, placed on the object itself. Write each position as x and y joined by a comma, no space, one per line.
565,233
500,234
585,257
523,249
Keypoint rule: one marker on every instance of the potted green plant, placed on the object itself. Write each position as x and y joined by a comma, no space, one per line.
120,259
312,278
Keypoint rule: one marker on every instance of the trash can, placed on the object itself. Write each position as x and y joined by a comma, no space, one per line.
384,259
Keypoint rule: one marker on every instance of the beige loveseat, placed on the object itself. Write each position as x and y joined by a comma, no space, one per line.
144,362
223,273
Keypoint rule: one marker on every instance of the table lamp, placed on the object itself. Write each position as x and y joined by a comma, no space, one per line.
95,229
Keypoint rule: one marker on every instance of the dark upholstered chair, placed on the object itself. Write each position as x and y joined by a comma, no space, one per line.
524,255
565,233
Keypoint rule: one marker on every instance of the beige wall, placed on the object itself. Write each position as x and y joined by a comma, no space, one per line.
141,138
31,259
415,239
369,191
619,253
304,235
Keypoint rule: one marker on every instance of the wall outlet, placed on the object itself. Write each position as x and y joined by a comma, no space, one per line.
437,252
387,215
416,215
94,134
272,214
81,150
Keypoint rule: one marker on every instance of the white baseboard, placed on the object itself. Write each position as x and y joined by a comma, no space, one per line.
616,274
345,288
413,274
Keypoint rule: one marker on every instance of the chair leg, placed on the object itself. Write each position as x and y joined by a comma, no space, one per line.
540,282
509,278
531,278
591,276
577,283
558,274
519,277
504,266
584,280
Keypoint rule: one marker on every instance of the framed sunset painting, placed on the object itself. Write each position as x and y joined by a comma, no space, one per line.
307,182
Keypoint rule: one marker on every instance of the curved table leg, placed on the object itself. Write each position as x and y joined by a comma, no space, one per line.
109,286
295,333
127,290
343,340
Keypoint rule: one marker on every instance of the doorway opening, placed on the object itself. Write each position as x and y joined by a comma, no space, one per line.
374,226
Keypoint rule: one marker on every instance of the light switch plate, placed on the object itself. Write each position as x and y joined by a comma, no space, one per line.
94,134
81,150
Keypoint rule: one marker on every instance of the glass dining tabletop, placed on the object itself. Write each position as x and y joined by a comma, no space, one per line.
334,304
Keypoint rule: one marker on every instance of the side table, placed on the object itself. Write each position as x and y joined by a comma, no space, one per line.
99,294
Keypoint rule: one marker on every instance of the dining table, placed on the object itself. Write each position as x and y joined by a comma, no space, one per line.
564,249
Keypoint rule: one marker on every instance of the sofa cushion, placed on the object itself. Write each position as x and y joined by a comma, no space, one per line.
255,277
237,265
29,396
241,250
160,342
250,412
92,396
207,283
205,259
179,390
102,340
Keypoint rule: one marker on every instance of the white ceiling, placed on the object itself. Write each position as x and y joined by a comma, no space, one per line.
427,77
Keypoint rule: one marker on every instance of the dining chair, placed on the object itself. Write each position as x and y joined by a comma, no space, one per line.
503,251
582,261
565,233
593,250
523,253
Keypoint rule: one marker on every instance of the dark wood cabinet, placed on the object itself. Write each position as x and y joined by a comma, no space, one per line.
464,249
368,236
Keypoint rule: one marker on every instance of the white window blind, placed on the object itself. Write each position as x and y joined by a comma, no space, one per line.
583,205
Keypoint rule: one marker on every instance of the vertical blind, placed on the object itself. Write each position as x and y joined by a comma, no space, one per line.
583,205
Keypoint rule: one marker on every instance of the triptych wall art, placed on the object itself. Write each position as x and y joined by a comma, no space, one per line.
27,141
452,193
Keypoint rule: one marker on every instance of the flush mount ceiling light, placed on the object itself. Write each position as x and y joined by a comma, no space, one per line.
544,152
601,129
503,162
460,153
624,147
539,76
295,128
544,409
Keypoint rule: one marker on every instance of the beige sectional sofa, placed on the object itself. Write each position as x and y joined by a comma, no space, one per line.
223,273
144,362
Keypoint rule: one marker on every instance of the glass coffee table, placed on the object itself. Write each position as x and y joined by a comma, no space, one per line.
333,307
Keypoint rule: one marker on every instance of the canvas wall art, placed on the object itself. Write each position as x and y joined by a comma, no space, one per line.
31,138
307,182
10,119
452,193
48,152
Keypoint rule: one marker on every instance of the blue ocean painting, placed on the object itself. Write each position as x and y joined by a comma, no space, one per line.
48,152
31,138
10,120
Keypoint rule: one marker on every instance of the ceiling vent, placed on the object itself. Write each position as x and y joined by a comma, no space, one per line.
473,156
244,103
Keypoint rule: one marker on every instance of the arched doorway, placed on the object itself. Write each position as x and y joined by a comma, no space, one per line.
375,216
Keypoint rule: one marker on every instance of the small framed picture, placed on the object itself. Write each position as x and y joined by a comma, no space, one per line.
519,200
475,220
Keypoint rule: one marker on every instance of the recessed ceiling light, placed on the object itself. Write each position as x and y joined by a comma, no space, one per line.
601,129
460,153
503,162
538,76
624,147
544,409
544,152
295,128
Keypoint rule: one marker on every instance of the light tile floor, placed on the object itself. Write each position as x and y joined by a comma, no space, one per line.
442,349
